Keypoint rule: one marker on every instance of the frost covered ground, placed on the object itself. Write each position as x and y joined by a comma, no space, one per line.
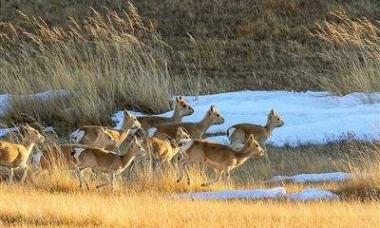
313,178
310,117
273,193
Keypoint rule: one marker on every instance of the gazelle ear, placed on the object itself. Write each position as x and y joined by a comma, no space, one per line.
271,111
126,113
178,99
212,108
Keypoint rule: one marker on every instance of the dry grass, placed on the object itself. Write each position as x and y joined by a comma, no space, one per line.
106,63
143,199
111,58
351,50
20,206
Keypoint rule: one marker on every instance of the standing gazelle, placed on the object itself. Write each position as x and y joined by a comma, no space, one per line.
196,130
222,158
181,109
16,155
104,161
105,137
239,133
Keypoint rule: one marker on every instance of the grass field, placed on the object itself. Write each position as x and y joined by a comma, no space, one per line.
25,206
143,199
115,55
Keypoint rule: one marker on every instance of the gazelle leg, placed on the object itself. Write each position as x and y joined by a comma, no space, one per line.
23,178
181,169
228,175
10,178
85,181
113,180
187,175
79,175
216,179
130,169
169,164
266,156
110,180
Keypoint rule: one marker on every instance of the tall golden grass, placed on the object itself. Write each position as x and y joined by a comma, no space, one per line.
351,49
106,62
112,59
143,198
22,206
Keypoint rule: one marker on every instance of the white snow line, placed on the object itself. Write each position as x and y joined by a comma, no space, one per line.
273,193
310,117
313,178
313,194
259,194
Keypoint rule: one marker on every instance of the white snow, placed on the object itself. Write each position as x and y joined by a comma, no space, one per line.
310,117
273,193
313,194
6,99
5,131
313,177
277,192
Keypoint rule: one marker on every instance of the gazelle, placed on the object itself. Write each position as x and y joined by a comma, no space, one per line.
196,130
105,137
164,148
222,158
104,161
181,109
56,155
239,133
14,155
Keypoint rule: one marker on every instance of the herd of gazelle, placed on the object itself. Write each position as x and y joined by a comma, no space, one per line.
94,147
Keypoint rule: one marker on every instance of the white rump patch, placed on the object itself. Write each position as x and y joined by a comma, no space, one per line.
36,158
230,131
77,136
77,152
152,131
186,144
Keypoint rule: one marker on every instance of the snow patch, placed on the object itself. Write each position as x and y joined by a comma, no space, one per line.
310,117
6,99
314,177
313,194
5,131
273,193
278,192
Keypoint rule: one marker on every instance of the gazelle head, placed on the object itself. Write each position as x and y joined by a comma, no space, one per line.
274,120
214,115
182,136
130,121
110,141
30,134
253,147
182,108
136,147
